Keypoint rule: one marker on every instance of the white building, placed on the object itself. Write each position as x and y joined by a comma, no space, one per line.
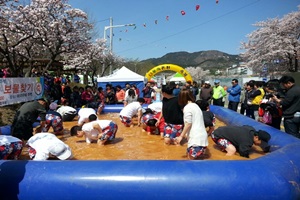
240,69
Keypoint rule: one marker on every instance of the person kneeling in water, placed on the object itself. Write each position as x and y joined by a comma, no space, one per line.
99,131
240,139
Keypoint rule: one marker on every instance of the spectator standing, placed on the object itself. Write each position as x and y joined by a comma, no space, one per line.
87,95
56,91
26,116
206,92
131,97
110,97
234,95
176,90
101,100
76,78
137,91
248,100
120,94
75,98
257,97
218,94
290,105
242,99
147,92
195,89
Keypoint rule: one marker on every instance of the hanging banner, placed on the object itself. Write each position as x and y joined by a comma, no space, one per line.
17,90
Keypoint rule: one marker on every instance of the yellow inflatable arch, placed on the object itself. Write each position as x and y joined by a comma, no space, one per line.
172,67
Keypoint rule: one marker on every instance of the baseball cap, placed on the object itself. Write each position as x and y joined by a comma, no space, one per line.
207,82
217,81
53,106
61,151
264,137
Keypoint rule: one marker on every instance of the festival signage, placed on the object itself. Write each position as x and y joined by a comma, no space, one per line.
17,90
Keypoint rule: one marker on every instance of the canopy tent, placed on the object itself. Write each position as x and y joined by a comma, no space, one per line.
121,77
178,78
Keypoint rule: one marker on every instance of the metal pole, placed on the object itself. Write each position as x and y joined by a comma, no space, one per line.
110,41
103,64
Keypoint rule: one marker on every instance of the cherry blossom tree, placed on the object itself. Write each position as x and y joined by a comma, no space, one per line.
274,46
12,35
197,73
47,29
60,30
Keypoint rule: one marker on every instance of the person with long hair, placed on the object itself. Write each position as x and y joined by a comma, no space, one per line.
194,128
131,97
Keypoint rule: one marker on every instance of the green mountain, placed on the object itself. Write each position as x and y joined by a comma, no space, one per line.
206,59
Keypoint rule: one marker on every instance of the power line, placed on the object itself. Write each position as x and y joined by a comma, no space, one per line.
193,27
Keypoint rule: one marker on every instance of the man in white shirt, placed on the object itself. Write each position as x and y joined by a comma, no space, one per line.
42,145
68,113
98,131
131,110
156,107
83,115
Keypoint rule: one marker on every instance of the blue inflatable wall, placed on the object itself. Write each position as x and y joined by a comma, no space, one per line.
273,176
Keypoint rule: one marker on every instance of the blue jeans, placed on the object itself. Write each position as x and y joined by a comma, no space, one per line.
291,126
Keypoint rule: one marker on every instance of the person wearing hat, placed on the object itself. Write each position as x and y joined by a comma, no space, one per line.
26,116
42,145
54,120
218,94
206,92
240,139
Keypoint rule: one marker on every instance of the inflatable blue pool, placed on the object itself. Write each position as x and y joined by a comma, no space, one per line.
273,176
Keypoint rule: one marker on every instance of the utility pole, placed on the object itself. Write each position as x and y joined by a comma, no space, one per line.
110,27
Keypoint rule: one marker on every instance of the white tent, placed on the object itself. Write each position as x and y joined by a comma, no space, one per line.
178,78
121,77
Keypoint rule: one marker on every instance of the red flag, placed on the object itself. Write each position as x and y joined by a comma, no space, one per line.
182,12
197,7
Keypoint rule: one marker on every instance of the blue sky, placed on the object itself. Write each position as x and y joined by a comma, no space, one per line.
215,26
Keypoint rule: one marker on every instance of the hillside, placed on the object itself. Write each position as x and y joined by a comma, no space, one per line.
205,59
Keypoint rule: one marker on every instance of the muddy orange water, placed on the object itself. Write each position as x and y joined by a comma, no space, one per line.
135,144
